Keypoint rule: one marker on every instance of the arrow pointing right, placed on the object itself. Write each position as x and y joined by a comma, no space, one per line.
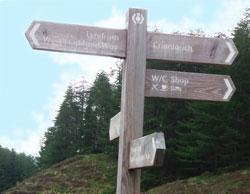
189,86
229,90
190,49
231,52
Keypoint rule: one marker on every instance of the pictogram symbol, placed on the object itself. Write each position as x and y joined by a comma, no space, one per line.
138,18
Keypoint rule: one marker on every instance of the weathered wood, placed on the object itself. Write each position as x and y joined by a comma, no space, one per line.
190,49
132,102
147,151
115,127
190,86
77,39
112,42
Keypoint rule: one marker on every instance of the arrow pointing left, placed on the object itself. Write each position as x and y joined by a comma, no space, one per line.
32,34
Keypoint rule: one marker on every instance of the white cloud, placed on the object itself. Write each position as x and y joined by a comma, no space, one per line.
224,20
116,20
27,141
31,145
84,65
6,142
67,75
185,25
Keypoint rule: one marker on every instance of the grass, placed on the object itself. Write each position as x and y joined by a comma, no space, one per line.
96,174
237,182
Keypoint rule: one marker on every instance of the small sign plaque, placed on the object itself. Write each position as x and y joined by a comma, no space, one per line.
77,39
190,86
147,151
115,127
190,49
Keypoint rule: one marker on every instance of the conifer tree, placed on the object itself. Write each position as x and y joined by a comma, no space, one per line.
14,168
218,135
63,139
99,110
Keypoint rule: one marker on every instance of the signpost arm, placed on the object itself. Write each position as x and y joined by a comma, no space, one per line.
132,102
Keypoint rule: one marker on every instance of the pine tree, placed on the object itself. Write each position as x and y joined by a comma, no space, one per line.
99,110
218,135
164,115
63,139
14,168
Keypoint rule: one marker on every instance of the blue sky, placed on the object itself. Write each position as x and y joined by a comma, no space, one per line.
33,83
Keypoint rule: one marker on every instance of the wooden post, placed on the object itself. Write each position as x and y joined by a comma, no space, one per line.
132,102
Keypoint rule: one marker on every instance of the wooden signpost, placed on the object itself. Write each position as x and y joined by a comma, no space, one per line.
135,45
190,86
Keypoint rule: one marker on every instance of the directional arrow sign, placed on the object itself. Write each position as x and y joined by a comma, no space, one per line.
190,49
190,86
115,126
147,151
77,39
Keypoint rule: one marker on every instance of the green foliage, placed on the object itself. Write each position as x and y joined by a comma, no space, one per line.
218,135
165,115
82,123
14,168
99,109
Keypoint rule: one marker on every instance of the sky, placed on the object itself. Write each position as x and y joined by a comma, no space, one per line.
33,82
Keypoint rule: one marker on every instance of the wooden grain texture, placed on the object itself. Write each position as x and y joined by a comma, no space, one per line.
147,151
77,39
190,49
132,99
190,86
115,127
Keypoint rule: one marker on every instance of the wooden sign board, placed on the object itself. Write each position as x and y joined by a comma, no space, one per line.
112,42
115,127
190,49
147,151
190,86
77,39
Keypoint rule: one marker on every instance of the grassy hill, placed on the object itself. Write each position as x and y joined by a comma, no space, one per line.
237,182
80,174
95,174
